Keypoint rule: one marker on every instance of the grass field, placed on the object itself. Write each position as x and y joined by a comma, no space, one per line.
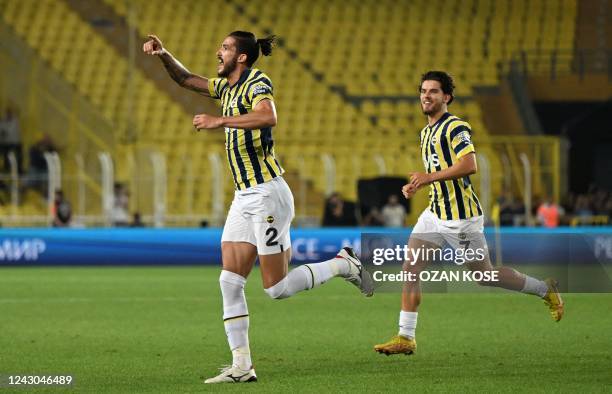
124,330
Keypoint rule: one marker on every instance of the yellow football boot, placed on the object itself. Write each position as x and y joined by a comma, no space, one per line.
553,300
397,345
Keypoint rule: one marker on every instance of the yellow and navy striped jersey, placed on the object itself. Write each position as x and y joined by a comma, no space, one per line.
442,145
250,153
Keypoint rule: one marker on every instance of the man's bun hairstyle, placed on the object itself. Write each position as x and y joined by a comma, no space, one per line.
249,45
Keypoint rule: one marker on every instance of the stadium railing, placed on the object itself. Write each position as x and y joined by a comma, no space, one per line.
529,165
51,106
559,62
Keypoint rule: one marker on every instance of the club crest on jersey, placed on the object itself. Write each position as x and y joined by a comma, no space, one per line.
270,219
234,102
434,140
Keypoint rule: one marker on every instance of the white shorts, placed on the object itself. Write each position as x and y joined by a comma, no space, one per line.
261,215
460,233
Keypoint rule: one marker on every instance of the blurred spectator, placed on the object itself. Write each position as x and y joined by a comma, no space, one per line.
599,202
583,206
591,208
338,213
510,209
506,209
394,213
549,213
10,140
120,213
568,203
518,211
609,207
137,220
373,218
62,211
514,211
536,201
38,171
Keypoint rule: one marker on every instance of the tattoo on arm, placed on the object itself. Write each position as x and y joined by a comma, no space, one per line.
184,77
175,69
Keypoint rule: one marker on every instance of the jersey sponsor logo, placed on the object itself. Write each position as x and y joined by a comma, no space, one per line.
260,89
432,160
464,136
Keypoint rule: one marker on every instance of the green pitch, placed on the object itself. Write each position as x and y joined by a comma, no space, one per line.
125,330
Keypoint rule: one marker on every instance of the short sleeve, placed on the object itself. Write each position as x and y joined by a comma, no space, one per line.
216,86
461,139
260,90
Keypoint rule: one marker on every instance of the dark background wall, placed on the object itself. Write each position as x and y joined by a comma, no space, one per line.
588,128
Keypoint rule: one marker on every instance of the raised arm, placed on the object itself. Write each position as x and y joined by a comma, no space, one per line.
175,69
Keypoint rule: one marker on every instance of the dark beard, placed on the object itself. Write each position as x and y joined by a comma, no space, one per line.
227,69
432,111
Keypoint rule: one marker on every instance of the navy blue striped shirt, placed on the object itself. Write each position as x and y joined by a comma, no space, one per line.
250,153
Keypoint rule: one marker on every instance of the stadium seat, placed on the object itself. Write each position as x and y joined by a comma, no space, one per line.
345,73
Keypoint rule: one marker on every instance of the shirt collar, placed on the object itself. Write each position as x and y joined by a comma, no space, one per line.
243,77
439,121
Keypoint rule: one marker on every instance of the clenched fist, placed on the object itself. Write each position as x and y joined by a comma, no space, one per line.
204,121
153,46
408,190
420,179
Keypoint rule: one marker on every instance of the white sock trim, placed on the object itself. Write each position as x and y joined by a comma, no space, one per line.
534,286
232,291
232,277
407,323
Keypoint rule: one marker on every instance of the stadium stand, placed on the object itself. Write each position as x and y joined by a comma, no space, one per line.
379,49
345,73
310,114
71,47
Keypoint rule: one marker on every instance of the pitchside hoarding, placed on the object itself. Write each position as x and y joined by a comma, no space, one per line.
27,247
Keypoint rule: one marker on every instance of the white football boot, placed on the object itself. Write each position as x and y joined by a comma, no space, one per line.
232,374
359,276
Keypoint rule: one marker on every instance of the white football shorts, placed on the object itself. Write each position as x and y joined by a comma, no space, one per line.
460,233
261,215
